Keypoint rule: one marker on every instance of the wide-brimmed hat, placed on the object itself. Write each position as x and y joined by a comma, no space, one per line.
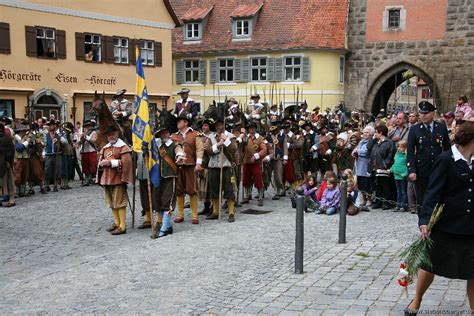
255,96
111,129
120,92
87,123
251,123
184,90
6,120
52,122
184,116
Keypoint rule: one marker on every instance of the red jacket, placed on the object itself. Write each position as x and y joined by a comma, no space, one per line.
319,195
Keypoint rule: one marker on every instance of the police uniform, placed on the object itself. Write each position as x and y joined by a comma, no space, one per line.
452,184
425,143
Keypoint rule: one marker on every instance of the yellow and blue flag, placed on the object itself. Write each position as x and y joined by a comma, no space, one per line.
142,134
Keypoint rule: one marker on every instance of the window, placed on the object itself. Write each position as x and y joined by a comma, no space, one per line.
242,28
426,93
393,18
226,70
191,71
259,69
120,50
45,42
147,53
7,108
292,68
87,111
92,47
153,116
342,61
192,31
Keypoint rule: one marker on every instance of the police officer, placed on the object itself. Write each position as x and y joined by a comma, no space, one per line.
426,141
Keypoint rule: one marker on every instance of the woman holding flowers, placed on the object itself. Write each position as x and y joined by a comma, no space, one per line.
452,185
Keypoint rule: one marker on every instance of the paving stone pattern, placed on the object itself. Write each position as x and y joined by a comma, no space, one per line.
56,257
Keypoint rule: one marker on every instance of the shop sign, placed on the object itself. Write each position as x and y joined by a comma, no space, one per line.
7,74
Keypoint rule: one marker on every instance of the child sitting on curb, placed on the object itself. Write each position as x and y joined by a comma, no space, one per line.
330,199
322,188
309,189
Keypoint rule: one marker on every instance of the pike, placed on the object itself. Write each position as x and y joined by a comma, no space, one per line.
221,167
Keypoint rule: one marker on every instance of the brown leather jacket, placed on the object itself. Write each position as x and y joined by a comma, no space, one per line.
254,146
121,170
192,144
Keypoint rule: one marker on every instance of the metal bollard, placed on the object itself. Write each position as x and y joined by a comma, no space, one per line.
343,211
299,241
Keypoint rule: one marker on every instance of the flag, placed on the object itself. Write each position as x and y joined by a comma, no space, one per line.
142,134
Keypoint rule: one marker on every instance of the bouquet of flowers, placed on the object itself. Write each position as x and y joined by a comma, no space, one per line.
417,254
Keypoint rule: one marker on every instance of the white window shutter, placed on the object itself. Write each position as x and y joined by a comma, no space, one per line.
237,70
245,70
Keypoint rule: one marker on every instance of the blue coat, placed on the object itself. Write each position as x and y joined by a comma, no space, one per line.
423,147
451,183
363,159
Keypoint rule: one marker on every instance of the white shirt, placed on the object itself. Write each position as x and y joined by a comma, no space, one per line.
458,156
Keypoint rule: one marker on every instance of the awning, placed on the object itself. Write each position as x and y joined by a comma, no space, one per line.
246,10
196,14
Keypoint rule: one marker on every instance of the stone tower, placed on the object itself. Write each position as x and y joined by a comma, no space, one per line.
434,40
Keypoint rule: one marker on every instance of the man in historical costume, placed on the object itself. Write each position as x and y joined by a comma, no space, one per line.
310,149
234,114
9,178
121,110
192,144
266,170
164,197
36,175
279,149
7,154
295,153
67,156
88,151
255,110
254,151
288,166
274,114
53,154
186,106
142,176
22,157
207,127
426,141
221,149
115,172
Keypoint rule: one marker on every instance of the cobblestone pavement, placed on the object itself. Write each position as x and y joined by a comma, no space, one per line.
57,258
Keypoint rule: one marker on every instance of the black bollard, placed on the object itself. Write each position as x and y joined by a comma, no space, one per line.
343,211
299,241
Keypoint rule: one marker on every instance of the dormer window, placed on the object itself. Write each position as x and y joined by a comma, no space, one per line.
244,18
193,31
195,20
243,28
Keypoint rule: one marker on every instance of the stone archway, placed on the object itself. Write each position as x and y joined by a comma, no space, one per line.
46,102
388,78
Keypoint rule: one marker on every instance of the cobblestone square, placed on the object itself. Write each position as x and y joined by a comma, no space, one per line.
57,258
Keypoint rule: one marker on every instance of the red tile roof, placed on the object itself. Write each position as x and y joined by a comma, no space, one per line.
196,14
246,10
281,25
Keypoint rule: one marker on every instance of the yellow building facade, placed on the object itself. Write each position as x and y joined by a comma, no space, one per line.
323,87
286,51
55,54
